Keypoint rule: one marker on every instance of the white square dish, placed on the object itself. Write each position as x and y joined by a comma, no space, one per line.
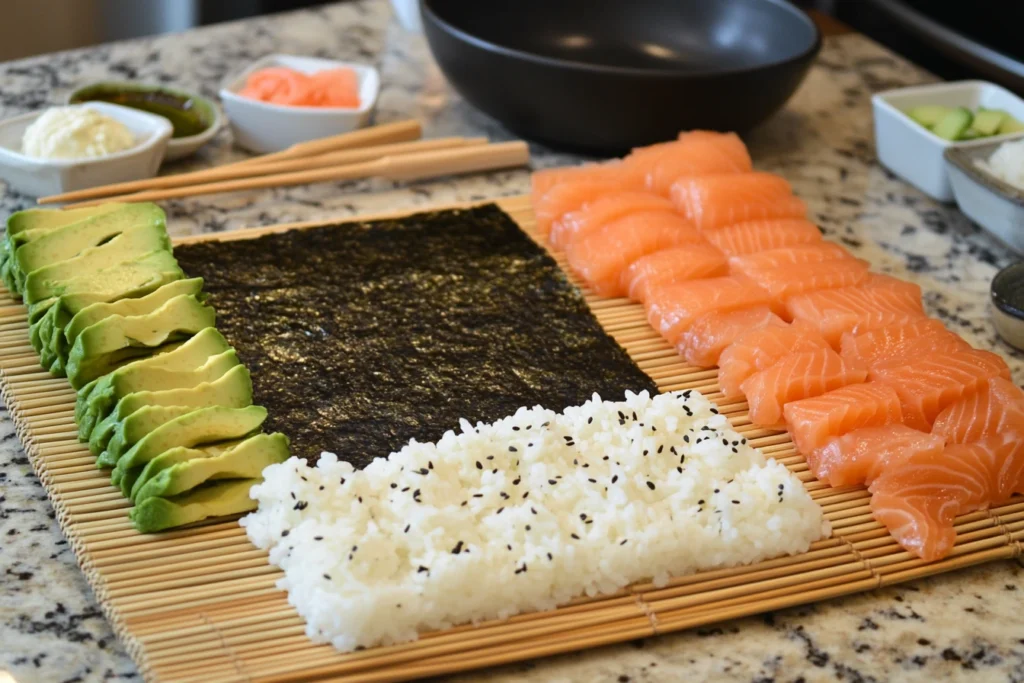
263,128
913,152
40,177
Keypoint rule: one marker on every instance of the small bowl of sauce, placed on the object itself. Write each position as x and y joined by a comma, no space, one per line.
194,119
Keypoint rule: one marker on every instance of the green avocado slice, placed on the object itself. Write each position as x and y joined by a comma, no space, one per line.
182,469
70,240
98,397
94,313
139,240
39,222
134,429
102,346
217,499
203,426
233,390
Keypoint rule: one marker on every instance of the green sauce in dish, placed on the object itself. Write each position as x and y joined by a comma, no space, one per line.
189,115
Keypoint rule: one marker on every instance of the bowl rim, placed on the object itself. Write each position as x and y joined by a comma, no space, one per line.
228,93
813,49
207,133
160,133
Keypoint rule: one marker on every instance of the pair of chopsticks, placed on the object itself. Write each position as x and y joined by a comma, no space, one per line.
392,151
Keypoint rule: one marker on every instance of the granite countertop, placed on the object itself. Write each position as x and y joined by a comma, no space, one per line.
967,625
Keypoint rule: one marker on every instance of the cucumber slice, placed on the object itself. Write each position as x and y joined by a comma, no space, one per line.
954,124
928,115
987,122
1010,125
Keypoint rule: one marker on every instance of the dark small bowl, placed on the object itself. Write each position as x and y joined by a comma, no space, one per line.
1008,304
609,76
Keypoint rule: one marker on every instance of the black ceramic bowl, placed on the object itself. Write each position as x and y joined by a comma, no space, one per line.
608,75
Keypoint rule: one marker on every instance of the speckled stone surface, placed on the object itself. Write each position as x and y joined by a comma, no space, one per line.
963,626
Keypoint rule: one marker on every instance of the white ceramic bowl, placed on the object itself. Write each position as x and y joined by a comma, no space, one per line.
262,128
988,201
913,152
39,177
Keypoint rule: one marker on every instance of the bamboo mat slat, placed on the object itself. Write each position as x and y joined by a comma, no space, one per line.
200,604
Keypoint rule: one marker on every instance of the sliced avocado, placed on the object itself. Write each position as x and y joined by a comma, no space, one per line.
155,372
987,122
131,307
179,470
217,499
134,428
233,389
70,240
928,115
953,124
105,344
136,241
40,220
1010,125
203,426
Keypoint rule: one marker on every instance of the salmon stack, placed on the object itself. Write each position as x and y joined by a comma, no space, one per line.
731,272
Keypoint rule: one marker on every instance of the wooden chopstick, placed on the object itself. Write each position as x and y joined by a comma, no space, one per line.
413,166
399,131
233,172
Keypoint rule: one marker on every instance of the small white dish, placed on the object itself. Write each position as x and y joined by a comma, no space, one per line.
177,148
40,177
987,200
263,128
913,152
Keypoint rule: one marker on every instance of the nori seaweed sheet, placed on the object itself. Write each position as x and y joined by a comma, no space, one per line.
362,336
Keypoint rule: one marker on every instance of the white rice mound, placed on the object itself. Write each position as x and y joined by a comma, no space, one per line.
1006,163
522,515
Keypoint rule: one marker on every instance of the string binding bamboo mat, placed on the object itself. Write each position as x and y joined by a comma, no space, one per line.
200,604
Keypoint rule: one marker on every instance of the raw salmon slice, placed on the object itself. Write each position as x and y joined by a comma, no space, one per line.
602,255
811,422
755,236
672,266
918,499
855,309
696,155
759,349
931,383
716,201
544,180
672,309
601,211
860,456
997,406
787,257
783,283
794,377
711,333
921,346
569,196
889,342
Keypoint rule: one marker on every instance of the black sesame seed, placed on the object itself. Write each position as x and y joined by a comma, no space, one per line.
575,536
422,569
327,576
592,481
515,482
478,495
515,429
661,448
533,510
511,449
430,464
550,556
499,511
590,420
735,502
527,527
457,549
552,481
624,541
405,489
424,471
686,438
479,465
343,481
406,528
679,470
285,533
615,478
394,485
650,485
464,503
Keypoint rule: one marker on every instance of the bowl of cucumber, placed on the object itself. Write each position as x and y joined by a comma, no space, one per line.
915,126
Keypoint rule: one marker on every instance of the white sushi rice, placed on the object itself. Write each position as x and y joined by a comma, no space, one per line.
1006,163
524,515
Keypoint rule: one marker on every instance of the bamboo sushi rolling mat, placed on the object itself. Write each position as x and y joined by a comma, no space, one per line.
200,604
